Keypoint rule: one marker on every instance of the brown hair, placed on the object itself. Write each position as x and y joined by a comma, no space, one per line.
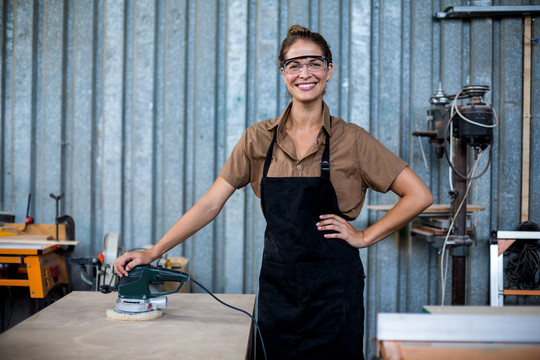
297,32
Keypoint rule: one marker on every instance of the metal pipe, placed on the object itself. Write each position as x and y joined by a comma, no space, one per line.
459,252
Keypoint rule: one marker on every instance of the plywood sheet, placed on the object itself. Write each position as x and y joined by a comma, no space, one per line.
39,229
35,241
194,326
433,209
392,350
484,310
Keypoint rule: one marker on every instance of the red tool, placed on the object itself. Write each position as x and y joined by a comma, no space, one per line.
28,219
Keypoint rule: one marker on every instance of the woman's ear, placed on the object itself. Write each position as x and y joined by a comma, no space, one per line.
329,72
283,74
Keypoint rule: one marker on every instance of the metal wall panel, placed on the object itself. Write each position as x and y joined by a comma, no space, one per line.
130,108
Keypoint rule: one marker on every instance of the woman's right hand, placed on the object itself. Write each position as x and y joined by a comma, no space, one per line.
129,260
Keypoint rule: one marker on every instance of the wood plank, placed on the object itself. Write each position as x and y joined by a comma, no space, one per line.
526,127
392,350
31,241
194,326
429,230
504,244
433,209
522,292
39,229
27,237
483,310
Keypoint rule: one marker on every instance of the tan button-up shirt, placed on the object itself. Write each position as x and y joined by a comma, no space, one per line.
357,160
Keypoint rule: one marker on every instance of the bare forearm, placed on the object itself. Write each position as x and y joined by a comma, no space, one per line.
400,215
192,221
204,211
415,198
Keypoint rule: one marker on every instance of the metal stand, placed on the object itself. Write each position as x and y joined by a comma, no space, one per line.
462,126
459,252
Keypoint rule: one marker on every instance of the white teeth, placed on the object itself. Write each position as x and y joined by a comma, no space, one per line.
306,86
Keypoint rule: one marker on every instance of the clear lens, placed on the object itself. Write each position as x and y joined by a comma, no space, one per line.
313,64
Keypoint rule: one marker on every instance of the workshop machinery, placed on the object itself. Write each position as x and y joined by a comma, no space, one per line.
454,129
101,270
33,258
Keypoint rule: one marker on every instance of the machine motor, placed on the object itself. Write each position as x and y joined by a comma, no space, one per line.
474,125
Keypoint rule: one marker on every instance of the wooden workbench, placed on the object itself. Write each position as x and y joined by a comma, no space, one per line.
193,326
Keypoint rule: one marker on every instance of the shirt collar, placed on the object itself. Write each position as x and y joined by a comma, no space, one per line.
280,120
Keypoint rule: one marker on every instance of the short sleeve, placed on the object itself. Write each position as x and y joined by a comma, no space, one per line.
236,170
379,166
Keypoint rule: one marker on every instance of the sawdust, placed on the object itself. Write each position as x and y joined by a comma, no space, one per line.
148,315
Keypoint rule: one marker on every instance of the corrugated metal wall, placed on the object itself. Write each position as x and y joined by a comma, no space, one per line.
131,108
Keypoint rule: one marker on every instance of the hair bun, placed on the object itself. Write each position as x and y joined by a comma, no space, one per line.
295,29
298,32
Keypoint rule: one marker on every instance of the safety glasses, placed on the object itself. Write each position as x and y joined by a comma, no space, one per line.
314,63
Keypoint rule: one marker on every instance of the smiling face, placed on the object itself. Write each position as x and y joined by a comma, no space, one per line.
306,86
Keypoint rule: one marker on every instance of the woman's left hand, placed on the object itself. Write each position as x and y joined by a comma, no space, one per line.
342,230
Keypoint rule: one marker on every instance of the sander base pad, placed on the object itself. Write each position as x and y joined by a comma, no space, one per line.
143,316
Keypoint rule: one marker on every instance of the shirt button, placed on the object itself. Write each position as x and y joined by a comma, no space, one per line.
299,166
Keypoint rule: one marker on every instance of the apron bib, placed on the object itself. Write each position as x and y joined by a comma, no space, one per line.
310,288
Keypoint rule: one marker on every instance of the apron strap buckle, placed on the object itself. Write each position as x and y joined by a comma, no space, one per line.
325,165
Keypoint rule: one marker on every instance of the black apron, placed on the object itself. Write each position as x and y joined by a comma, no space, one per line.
310,288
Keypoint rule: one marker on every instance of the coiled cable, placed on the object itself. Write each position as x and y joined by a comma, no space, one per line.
524,263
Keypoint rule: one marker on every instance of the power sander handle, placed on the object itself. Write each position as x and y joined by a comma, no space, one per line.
136,284
170,275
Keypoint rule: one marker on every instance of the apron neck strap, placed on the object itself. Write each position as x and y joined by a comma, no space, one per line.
269,153
325,163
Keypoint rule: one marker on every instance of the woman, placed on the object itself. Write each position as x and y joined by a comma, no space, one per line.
311,171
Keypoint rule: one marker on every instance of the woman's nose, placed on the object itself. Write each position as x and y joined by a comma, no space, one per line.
304,72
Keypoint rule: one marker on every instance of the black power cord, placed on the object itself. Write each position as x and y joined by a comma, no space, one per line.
234,308
109,288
